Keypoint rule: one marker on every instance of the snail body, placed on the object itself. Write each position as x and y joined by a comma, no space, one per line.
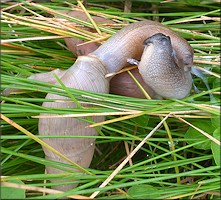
88,73
128,43
123,84
159,69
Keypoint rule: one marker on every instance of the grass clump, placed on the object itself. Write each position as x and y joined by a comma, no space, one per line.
181,160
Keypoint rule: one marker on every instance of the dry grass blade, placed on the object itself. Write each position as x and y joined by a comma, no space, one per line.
201,18
31,39
88,15
121,71
115,120
46,27
42,142
88,114
201,131
42,190
53,25
117,170
208,72
206,62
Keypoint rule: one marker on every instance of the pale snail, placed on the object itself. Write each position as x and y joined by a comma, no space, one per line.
88,73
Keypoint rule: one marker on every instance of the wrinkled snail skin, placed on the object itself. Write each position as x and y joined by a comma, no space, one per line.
127,43
159,70
86,74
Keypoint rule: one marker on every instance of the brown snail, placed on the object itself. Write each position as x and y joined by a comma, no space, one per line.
88,73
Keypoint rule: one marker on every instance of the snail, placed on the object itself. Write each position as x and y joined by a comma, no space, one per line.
158,53
88,73
121,84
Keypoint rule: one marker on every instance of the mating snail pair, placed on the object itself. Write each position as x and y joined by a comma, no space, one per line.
165,63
